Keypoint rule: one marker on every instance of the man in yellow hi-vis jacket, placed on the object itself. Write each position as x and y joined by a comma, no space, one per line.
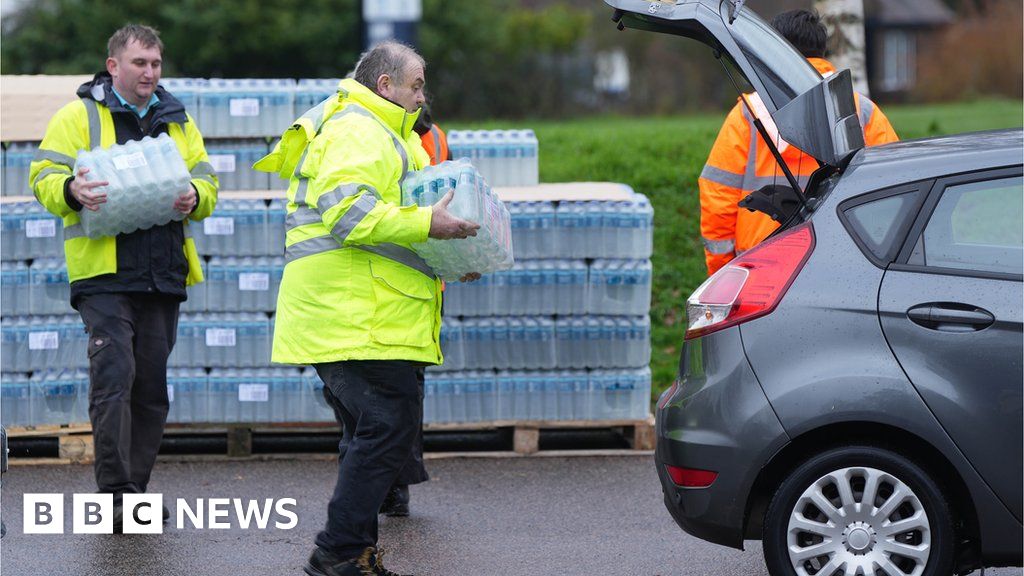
128,287
356,301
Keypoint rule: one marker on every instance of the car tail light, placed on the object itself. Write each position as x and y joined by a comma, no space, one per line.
750,286
691,477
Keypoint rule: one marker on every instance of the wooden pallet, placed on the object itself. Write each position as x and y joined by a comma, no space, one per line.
76,442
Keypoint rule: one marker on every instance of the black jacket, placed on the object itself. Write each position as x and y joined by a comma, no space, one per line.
148,261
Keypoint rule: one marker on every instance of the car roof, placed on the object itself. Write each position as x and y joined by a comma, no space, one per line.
906,161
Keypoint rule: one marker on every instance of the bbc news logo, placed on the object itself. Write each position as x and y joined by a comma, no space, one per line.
143,513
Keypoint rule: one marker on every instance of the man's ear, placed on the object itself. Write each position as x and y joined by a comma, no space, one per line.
111,66
384,85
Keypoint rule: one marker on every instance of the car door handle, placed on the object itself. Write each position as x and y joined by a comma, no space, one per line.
951,317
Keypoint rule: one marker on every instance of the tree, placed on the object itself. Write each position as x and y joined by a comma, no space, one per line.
845,22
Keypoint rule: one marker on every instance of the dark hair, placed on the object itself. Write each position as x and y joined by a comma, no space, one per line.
145,35
804,30
385,58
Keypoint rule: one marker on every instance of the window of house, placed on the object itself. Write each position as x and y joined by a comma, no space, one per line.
899,52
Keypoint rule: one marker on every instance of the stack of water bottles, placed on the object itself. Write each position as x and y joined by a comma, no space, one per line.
562,335
491,249
144,178
504,157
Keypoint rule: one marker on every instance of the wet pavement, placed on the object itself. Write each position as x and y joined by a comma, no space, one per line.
536,516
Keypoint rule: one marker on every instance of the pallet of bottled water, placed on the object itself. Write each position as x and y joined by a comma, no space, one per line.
144,178
503,157
232,159
491,249
222,340
187,91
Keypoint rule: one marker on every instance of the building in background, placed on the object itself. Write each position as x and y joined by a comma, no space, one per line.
899,34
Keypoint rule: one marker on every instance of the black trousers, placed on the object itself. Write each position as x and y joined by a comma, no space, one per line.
130,337
414,471
380,406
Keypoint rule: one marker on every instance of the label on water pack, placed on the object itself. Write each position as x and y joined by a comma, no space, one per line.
40,228
43,341
129,161
223,163
170,392
244,107
220,336
253,393
219,226
254,281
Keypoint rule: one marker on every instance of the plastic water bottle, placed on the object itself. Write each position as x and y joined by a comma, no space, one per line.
16,401
50,290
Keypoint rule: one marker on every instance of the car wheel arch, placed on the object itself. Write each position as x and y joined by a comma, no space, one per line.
907,444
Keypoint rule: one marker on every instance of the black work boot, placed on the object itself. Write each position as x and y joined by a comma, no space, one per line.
324,563
118,518
396,503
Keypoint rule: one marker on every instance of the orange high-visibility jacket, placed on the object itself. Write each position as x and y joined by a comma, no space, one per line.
436,144
741,163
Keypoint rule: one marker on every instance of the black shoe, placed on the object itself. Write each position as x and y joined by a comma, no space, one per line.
324,563
167,515
396,503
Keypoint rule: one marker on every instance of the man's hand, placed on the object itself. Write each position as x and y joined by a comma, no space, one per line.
82,190
445,226
470,277
187,201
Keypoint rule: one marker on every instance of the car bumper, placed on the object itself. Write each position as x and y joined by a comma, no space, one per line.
715,418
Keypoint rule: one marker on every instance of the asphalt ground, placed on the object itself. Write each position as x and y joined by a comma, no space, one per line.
537,516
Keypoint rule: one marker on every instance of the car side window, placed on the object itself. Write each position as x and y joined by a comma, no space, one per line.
876,222
975,226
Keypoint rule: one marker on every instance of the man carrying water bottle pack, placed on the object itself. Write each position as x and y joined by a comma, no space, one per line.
128,287
355,300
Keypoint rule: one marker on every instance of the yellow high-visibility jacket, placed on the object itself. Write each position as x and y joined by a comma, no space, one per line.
86,124
353,289
740,163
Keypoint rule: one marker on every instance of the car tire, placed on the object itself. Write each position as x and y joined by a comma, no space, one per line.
803,538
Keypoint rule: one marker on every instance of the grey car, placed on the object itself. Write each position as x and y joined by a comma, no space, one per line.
850,390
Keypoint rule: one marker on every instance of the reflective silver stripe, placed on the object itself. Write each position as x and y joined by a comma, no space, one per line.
353,216
74,231
66,171
723,177
188,229
328,200
93,111
300,191
867,109
302,216
56,157
310,247
719,246
202,168
400,255
322,244
205,178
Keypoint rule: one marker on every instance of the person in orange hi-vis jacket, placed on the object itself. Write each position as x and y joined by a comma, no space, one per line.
740,162
434,140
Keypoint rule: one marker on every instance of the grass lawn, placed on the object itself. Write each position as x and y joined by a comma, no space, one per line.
662,157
